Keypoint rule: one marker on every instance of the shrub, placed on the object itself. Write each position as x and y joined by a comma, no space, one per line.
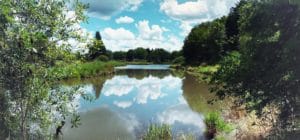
178,60
103,58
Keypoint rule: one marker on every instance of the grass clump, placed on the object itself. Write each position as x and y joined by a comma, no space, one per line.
216,124
203,72
209,69
158,132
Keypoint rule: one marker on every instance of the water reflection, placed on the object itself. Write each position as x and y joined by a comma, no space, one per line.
144,67
132,99
140,74
103,123
197,95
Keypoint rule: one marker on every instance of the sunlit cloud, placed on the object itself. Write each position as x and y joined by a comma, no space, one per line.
122,104
148,36
190,13
124,20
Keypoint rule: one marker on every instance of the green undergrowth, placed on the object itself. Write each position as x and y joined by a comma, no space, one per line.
80,69
216,127
204,72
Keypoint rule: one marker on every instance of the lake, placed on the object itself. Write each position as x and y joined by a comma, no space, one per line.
125,104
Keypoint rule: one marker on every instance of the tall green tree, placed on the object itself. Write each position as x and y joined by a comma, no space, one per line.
205,43
130,55
140,53
97,48
232,28
30,34
266,71
119,55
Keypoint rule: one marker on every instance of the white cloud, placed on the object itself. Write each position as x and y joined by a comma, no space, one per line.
117,34
165,29
185,27
187,10
148,36
124,19
123,104
191,13
155,32
104,9
134,4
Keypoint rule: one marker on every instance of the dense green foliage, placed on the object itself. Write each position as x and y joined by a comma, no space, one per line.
178,60
209,42
266,68
30,32
257,48
205,43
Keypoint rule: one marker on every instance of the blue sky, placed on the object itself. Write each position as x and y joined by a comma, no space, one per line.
128,24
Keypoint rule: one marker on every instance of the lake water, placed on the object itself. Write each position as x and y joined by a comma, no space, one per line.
126,103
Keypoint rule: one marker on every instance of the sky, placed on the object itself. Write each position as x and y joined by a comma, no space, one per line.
129,24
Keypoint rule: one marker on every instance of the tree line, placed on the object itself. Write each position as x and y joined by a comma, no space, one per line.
257,47
98,51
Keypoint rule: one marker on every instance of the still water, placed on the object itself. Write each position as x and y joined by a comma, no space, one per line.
126,103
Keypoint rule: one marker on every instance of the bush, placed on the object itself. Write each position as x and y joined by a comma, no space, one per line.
179,60
103,58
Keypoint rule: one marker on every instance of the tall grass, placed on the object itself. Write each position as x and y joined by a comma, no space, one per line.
83,69
204,72
158,132
216,124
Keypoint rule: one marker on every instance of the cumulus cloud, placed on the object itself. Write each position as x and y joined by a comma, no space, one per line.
123,104
124,19
148,36
155,32
104,9
188,10
194,12
117,34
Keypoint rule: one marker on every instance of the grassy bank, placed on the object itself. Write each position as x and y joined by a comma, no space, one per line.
80,69
204,72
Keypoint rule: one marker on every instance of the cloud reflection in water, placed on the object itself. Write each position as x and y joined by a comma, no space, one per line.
147,88
138,102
